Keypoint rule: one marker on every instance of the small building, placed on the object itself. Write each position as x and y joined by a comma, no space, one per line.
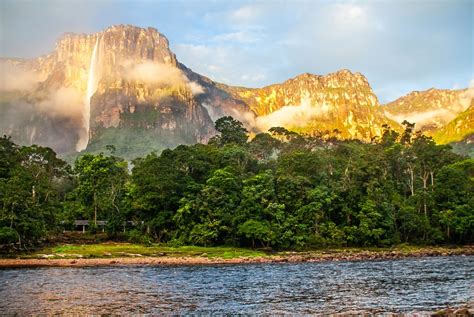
83,224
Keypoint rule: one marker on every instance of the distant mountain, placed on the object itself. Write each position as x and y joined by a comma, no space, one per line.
430,109
124,87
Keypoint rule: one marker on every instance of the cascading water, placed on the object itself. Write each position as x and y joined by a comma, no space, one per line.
92,82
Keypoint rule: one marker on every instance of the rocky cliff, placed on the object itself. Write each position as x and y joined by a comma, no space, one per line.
316,104
129,88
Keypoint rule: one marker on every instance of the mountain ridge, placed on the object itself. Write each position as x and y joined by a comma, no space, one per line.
140,91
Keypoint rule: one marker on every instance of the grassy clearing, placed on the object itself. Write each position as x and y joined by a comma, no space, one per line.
113,250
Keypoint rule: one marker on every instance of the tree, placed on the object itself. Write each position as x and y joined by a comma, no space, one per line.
264,147
258,230
206,218
231,132
100,187
30,191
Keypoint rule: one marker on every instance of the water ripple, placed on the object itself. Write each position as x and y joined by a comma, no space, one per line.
405,285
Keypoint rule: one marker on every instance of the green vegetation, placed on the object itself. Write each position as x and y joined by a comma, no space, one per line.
131,250
134,142
281,190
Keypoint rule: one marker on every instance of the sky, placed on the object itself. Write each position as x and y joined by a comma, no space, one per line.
399,45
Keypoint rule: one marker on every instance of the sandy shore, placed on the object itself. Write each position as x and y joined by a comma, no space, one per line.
289,257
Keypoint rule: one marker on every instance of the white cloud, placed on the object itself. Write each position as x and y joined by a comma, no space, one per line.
245,14
438,117
63,102
195,88
465,99
237,37
159,74
153,73
289,116
15,78
349,15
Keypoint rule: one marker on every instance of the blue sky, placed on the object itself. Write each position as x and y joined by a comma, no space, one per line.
399,46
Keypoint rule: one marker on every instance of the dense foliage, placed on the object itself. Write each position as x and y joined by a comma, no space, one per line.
280,189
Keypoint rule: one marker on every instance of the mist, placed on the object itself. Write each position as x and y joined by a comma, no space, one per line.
424,118
465,98
32,114
159,74
15,78
288,116
66,102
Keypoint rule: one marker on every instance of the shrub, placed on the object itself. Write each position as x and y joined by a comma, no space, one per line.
8,235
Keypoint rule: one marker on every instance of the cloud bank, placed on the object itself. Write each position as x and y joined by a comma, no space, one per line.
63,103
291,116
438,117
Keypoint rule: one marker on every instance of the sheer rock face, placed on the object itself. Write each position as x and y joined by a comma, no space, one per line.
430,109
125,93
69,64
342,88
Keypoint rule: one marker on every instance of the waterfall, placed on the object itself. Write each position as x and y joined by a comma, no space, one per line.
92,82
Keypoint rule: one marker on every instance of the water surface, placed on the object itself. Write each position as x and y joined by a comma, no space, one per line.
405,285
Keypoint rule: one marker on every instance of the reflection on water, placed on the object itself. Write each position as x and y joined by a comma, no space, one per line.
398,286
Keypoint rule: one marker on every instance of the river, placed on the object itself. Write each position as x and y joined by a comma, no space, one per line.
404,285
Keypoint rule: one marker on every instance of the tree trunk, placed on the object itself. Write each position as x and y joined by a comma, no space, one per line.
432,180
95,215
95,210
425,187
411,181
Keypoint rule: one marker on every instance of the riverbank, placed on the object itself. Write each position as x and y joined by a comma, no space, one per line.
112,254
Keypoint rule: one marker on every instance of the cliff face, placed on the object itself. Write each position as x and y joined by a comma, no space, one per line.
342,88
69,64
127,80
430,109
342,100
